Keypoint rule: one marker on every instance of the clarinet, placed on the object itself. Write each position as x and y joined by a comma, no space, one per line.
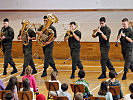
119,38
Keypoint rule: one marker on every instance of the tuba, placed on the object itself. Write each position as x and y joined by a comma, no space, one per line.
24,33
95,32
48,34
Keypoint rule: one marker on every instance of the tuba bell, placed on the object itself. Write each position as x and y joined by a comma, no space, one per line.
48,34
95,32
24,34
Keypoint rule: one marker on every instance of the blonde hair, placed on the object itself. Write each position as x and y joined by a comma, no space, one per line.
78,96
28,70
53,75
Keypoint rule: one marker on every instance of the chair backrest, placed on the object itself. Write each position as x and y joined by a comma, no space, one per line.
52,86
20,85
114,89
97,98
25,95
3,93
60,98
77,88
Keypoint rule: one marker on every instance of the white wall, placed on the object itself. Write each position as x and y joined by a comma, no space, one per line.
66,4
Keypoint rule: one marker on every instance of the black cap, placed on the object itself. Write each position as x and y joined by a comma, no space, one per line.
6,20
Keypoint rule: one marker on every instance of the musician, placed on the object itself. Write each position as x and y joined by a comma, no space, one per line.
7,46
74,44
126,38
104,34
27,50
48,49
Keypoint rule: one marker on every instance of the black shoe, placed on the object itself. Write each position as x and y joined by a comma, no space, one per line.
103,75
22,74
34,71
4,73
44,74
124,76
116,73
14,71
72,76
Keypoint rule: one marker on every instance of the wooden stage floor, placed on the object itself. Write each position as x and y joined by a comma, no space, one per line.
92,69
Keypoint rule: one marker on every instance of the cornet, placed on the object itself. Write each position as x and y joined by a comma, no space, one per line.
95,32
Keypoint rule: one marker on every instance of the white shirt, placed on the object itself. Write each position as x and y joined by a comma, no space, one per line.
127,97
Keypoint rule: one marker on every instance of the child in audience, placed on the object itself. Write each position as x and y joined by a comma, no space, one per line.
2,87
114,82
28,75
104,91
12,85
78,96
130,96
81,75
26,86
62,92
54,78
9,96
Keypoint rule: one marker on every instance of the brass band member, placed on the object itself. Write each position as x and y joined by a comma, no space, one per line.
73,38
27,49
48,49
7,46
126,38
104,34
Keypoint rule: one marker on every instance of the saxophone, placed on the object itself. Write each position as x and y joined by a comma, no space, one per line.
24,33
48,34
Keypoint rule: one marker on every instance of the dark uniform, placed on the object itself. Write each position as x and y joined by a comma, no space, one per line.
7,48
48,53
75,51
116,83
104,49
127,48
27,50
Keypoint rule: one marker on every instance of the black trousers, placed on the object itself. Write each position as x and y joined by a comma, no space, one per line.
128,57
7,50
75,54
28,60
105,61
48,56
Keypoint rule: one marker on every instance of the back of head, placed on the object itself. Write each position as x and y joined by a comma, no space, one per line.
131,90
53,75
78,96
112,74
81,74
103,88
64,87
26,84
9,96
28,70
40,97
11,84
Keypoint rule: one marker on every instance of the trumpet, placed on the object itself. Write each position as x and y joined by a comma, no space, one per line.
95,32
119,36
70,32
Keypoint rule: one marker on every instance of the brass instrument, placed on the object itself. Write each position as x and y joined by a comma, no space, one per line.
48,34
24,33
1,34
131,24
95,32
70,32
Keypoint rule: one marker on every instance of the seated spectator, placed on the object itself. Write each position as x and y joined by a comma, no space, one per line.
9,96
130,96
62,92
26,86
104,91
114,82
78,96
81,75
40,97
28,75
54,78
2,87
12,85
